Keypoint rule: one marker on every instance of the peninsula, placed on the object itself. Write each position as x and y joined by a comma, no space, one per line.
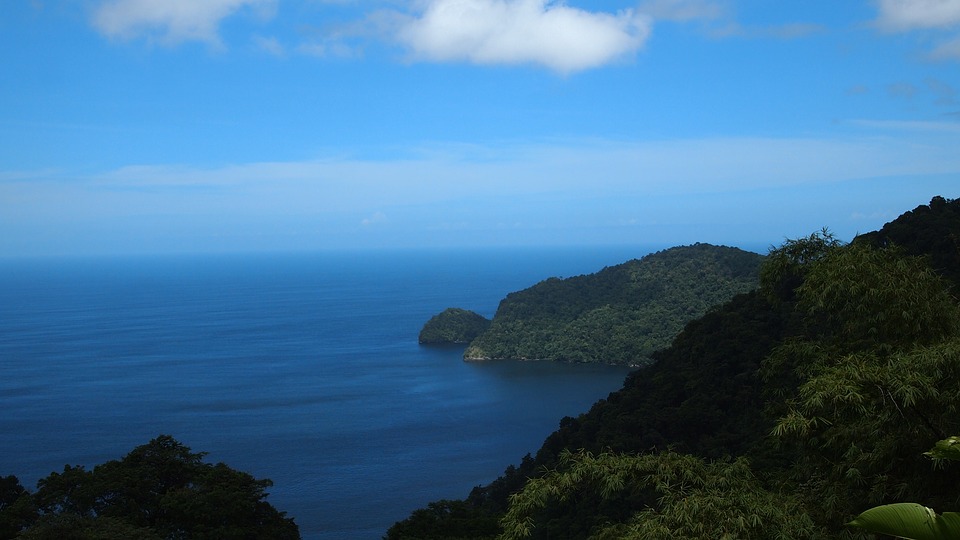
619,315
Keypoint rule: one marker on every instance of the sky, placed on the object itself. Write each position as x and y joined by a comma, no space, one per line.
163,126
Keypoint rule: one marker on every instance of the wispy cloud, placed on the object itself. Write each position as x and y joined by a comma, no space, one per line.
923,15
908,125
333,47
719,21
945,94
858,90
903,90
681,10
377,218
171,22
873,216
948,50
270,45
905,15
781,31
548,33
450,193
444,173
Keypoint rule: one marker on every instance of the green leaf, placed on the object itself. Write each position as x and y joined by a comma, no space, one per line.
909,520
948,448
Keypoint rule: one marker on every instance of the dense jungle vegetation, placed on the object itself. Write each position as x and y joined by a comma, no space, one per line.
620,315
158,491
783,413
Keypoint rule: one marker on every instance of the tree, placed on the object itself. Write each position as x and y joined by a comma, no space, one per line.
161,487
785,266
69,492
74,527
17,509
447,520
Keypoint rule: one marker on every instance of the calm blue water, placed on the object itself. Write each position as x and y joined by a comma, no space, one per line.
304,369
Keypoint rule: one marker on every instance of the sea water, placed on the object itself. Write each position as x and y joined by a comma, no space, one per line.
304,369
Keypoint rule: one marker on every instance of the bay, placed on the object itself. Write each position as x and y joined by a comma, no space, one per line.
301,368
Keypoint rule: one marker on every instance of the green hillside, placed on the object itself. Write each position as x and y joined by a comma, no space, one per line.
783,413
619,315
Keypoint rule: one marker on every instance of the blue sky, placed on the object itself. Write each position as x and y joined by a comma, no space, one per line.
131,126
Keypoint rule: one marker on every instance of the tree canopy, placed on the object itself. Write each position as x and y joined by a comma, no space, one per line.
159,490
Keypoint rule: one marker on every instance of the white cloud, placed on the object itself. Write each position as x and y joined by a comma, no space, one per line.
905,15
171,21
562,38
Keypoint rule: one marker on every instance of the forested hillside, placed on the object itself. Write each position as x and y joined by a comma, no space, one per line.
620,315
928,230
784,413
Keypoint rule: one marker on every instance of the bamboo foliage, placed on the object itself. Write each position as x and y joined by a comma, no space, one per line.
876,380
673,496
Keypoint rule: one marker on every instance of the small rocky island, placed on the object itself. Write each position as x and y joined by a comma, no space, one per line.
453,325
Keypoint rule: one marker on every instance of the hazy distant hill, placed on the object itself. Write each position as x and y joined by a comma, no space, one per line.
619,315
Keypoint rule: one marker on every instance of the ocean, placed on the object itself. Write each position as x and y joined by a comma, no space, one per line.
301,368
